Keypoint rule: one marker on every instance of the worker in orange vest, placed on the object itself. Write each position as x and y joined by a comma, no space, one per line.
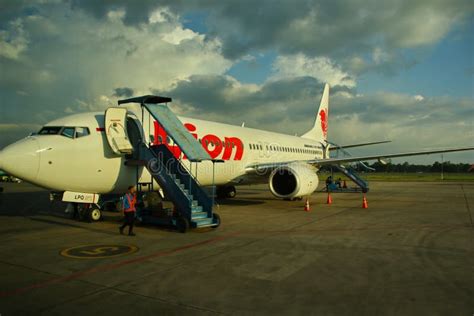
129,201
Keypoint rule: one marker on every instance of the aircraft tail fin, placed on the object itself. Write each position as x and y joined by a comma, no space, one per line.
319,131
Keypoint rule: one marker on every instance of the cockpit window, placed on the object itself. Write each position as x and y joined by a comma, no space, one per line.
82,131
50,130
68,132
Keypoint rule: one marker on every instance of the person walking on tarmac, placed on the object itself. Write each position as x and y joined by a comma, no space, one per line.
129,201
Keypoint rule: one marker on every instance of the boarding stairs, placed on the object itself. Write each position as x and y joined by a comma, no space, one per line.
351,174
349,171
177,182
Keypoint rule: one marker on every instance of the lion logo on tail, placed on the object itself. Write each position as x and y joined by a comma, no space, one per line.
324,122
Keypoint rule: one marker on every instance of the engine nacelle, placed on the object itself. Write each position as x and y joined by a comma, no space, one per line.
293,180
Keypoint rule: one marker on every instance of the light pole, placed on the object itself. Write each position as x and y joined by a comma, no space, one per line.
442,167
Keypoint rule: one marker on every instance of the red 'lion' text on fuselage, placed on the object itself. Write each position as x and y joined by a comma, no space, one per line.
211,143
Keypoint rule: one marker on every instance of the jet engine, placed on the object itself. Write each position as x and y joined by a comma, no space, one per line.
293,180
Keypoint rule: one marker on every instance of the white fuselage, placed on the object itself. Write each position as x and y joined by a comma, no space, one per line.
87,164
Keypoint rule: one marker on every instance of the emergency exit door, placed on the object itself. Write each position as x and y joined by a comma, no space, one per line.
116,130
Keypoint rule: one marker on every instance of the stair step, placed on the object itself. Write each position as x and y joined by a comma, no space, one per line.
202,221
189,195
195,203
196,209
207,225
198,215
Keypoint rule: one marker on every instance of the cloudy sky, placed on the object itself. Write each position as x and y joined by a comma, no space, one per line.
399,70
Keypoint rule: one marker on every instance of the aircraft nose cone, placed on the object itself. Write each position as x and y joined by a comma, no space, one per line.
21,159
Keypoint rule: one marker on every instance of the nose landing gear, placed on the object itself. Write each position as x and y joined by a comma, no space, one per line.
84,212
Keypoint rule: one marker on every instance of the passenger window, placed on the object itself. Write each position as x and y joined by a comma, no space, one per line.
82,131
68,132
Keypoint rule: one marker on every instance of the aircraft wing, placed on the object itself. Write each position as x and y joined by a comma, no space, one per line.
331,161
336,147
334,161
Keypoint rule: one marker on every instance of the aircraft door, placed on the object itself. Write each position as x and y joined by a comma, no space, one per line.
134,132
116,130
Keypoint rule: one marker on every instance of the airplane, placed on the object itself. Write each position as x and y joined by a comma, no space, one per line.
81,157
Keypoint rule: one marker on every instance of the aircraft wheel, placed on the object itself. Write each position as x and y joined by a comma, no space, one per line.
216,219
299,198
95,215
182,224
231,192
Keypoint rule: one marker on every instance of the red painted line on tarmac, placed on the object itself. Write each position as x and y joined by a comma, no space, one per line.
109,267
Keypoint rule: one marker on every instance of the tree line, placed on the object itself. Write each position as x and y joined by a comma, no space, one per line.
437,166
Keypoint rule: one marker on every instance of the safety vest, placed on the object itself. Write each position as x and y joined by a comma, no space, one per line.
131,203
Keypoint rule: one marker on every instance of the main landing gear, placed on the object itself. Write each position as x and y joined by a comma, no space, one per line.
299,198
228,192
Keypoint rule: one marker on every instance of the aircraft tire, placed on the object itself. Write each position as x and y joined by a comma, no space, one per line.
94,215
299,198
231,192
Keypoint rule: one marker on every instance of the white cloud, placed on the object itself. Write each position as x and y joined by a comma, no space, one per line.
13,41
159,15
321,68
427,26
70,69
177,35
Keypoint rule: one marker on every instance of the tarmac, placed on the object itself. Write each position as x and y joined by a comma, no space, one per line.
410,253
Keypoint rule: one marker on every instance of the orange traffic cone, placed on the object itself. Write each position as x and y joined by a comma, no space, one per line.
364,203
344,184
306,206
329,200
